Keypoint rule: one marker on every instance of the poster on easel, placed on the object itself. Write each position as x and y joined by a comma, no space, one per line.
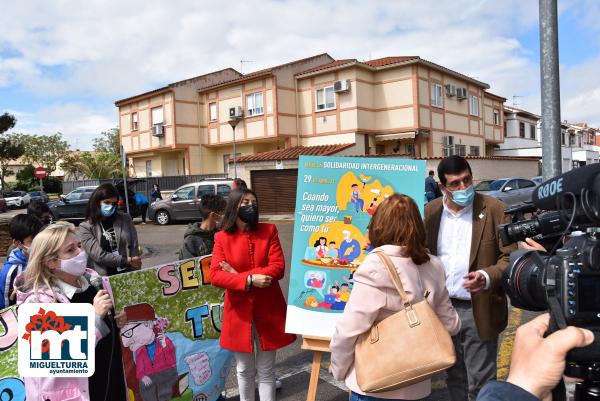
11,384
335,200
170,344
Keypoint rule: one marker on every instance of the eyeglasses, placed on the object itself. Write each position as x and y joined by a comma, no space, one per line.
455,184
129,332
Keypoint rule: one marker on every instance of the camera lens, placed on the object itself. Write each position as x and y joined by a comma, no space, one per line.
524,280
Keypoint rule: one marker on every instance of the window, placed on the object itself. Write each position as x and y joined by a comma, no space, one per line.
213,111
460,150
75,195
186,193
473,150
526,184
134,122
157,115
409,148
205,190
563,141
87,194
254,104
325,98
474,106
223,190
532,131
496,117
148,168
522,130
512,184
436,95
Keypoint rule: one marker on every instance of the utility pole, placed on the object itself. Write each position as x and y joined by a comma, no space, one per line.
550,133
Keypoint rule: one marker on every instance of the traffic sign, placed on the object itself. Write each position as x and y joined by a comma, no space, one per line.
40,172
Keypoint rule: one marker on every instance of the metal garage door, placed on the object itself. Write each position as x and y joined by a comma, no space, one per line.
276,190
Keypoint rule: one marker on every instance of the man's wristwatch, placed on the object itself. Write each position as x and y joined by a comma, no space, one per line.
249,282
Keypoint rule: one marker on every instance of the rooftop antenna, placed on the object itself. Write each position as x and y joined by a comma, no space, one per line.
514,100
242,61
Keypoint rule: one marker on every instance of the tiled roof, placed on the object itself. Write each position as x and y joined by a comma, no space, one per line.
265,71
336,63
294,153
380,62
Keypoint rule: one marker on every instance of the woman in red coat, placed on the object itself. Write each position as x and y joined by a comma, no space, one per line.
248,261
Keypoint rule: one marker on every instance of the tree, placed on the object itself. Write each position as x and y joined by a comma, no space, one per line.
71,166
44,150
109,142
9,148
99,164
7,121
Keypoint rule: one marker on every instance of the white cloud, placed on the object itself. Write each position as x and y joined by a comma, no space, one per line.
111,50
78,124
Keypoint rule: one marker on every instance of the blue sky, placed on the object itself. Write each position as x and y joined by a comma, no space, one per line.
62,66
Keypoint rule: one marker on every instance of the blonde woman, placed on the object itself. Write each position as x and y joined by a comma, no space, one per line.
57,272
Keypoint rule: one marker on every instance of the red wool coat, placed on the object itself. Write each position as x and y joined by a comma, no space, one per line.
251,252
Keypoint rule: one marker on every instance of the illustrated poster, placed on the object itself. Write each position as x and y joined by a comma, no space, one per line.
170,343
335,200
11,385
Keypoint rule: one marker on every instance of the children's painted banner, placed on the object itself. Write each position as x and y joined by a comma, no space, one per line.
170,343
335,199
11,386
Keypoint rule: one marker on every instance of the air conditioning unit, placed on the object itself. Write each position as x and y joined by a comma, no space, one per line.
158,130
235,112
461,93
341,86
450,90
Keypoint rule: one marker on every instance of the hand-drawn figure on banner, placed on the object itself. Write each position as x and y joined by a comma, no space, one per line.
155,360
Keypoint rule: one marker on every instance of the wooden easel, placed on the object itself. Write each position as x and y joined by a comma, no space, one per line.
318,345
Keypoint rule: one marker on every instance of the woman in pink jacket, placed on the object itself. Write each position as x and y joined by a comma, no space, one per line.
57,272
374,296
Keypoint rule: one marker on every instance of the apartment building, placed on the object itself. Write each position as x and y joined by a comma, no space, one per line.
523,137
389,106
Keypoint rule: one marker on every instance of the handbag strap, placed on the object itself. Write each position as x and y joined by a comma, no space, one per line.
411,315
387,262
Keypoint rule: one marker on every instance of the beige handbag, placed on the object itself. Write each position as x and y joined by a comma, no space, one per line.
405,348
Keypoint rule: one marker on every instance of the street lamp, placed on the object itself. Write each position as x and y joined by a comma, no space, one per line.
233,121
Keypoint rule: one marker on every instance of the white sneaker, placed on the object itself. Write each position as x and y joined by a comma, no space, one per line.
143,222
278,383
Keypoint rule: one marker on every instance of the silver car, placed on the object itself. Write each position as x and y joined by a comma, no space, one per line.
511,190
184,204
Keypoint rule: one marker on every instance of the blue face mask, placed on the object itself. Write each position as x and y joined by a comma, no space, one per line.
464,197
107,210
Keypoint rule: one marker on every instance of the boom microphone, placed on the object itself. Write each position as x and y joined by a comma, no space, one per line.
550,194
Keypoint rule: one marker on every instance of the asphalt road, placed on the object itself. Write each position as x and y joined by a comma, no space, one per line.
161,245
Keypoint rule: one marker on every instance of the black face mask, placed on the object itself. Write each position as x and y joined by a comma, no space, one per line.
248,214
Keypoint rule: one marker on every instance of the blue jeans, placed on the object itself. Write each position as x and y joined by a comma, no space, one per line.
360,397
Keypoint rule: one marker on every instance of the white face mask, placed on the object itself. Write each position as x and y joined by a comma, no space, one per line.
76,265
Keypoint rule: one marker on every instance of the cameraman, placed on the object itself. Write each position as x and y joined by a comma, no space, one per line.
537,363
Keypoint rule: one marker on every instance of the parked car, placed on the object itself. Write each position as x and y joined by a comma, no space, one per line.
511,190
16,198
538,180
2,205
39,196
185,201
72,205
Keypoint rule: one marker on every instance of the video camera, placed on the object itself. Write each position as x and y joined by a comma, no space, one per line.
566,282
